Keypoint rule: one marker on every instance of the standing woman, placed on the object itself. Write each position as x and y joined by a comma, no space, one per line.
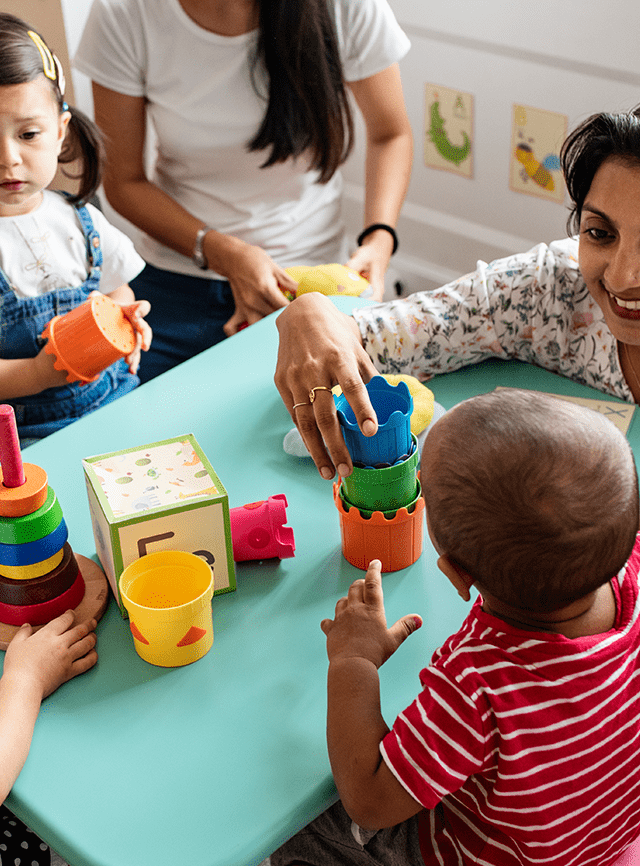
248,100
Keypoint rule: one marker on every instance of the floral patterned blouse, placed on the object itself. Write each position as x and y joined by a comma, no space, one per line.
531,306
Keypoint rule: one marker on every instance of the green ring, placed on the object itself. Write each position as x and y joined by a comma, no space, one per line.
34,526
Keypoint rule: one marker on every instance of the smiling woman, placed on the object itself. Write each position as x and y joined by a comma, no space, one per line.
571,306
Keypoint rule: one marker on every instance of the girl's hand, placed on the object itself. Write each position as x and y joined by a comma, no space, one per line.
45,374
320,346
135,313
52,655
254,277
359,628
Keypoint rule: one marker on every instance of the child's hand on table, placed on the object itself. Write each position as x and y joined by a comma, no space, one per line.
135,313
54,654
359,629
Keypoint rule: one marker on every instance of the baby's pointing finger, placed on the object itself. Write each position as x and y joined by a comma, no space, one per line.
373,583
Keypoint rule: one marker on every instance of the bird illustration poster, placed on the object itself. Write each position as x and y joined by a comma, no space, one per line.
536,138
448,140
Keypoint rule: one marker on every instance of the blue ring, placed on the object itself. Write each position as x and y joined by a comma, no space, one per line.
35,551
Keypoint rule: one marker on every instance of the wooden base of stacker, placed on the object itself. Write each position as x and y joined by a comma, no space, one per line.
92,606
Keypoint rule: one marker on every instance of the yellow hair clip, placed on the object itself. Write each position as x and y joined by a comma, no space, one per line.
48,63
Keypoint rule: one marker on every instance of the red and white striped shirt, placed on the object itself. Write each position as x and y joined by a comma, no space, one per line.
528,743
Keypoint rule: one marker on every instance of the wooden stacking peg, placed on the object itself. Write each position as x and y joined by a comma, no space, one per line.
23,487
10,457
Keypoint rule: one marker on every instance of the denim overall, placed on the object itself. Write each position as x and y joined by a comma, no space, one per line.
22,320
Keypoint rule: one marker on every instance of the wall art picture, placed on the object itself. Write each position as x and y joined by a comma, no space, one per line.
536,138
448,139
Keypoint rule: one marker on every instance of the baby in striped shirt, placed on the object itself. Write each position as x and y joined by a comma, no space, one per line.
523,745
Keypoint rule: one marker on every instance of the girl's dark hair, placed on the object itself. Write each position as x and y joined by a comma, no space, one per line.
307,104
598,138
21,62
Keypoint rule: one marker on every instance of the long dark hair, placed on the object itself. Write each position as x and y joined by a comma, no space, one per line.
307,104
597,138
21,61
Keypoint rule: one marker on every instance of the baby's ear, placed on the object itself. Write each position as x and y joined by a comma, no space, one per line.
461,580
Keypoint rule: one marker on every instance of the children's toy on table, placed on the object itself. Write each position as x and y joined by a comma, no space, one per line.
89,338
168,598
380,503
331,279
163,532
258,530
161,525
40,576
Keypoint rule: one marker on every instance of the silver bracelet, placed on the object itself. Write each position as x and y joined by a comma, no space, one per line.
197,256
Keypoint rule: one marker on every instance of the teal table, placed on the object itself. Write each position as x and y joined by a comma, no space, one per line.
217,763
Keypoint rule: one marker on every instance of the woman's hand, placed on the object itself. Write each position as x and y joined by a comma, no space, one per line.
319,348
372,259
255,279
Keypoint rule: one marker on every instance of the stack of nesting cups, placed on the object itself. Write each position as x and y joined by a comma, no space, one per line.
380,503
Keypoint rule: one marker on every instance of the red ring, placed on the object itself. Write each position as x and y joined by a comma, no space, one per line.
40,614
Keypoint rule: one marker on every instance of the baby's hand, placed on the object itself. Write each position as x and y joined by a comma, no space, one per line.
359,629
52,655
135,313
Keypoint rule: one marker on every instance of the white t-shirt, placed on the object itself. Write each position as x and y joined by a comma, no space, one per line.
204,110
46,249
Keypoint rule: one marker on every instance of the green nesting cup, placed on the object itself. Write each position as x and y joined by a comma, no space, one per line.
383,489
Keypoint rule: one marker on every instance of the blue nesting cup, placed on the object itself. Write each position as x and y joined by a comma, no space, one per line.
393,405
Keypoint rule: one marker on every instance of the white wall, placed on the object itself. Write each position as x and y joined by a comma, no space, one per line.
574,57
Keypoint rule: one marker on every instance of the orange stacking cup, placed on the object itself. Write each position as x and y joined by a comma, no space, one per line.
89,338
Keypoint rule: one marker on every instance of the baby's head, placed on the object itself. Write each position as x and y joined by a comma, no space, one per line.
536,498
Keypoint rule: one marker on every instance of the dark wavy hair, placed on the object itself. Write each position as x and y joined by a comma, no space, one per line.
599,137
307,104
21,62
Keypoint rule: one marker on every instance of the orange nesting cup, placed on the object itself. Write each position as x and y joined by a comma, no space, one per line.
88,339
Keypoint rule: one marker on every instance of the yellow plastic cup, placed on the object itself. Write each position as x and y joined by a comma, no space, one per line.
168,598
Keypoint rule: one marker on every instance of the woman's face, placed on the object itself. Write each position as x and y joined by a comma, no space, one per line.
609,249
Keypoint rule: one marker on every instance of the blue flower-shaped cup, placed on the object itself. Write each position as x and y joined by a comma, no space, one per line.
393,405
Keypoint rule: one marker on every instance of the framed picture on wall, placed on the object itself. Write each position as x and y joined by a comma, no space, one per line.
536,139
448,137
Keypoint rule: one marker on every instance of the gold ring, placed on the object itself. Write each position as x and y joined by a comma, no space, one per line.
312,395
295,405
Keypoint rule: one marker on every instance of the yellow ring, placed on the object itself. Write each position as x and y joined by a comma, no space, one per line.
37,569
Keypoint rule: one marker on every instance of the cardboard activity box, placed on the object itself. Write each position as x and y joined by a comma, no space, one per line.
162,496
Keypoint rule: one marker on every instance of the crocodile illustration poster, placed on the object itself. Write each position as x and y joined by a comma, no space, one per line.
448,140
536,138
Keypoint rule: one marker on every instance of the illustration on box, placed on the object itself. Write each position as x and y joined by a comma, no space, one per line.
160,496
40,576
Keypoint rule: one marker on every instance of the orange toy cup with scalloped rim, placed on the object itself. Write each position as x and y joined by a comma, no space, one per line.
88,339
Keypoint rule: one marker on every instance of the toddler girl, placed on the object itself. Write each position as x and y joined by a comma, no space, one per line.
54,248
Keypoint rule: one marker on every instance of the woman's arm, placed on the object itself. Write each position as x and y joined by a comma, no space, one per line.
387,168
253,276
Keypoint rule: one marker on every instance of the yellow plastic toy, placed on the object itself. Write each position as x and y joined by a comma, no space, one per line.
331,279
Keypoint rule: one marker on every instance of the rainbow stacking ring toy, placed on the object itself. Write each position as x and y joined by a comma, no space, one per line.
39,574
